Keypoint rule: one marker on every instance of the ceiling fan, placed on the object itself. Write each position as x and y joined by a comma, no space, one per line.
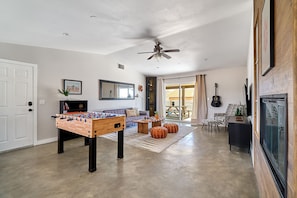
159,52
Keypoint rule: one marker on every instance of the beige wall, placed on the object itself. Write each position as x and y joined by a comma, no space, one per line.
55,65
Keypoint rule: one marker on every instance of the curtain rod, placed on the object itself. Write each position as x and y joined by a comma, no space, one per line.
164,78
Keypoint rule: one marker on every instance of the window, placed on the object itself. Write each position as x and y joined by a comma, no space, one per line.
179,101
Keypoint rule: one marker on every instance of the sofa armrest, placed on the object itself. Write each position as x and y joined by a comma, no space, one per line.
146,113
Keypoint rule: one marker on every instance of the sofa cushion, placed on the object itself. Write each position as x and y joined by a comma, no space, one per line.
116,111
129,120
143,113
137,111
131,113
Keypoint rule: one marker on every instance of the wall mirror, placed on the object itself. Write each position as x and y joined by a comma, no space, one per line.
110,90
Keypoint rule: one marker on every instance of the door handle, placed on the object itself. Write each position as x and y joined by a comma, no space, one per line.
30,110
30,103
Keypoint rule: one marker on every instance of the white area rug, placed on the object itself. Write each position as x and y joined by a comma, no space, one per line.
145,141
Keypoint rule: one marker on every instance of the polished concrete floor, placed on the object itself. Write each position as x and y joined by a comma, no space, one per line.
199,165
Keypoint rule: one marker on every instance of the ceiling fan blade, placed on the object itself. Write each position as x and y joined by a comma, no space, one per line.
144,52
166,56
172,50
150,57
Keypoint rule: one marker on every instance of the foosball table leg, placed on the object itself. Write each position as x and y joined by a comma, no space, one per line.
92,154
86,141
120,144
60,141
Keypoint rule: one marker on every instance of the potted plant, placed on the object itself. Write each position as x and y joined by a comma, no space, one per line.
238,115
64,92
156,115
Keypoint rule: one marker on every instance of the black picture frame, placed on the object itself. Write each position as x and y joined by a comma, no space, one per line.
267,36
73,86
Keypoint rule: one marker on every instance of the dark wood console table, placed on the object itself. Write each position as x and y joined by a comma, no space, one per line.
240,132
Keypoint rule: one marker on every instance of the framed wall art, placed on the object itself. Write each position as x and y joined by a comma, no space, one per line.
73,86
267,36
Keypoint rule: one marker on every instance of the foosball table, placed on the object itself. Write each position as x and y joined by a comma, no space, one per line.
90,125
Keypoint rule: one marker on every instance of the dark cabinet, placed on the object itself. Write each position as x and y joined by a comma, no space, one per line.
151,95
73,106
240,132
70,106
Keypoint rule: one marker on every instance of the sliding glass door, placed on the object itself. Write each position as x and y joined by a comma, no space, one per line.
179,101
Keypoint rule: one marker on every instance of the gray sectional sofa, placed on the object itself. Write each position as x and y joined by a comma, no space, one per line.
131,114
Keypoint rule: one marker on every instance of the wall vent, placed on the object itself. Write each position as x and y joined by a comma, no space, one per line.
121,66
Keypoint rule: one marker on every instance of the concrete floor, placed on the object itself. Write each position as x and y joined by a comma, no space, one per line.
199,165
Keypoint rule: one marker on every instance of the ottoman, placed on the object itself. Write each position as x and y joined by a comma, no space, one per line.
159,132
172,127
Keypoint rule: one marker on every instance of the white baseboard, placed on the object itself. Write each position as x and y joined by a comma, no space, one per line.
45,141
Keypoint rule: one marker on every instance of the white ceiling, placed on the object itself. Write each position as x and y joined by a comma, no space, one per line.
209,33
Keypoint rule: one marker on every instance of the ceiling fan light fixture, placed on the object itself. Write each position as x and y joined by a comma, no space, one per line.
159,52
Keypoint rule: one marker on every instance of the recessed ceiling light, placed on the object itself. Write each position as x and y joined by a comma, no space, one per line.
93,16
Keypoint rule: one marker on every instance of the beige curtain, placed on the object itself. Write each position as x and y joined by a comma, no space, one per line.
161,98
200,110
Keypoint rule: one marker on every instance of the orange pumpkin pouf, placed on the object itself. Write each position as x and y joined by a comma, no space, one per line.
172,127
159,132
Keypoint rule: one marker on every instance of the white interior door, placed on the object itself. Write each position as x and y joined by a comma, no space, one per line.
16,111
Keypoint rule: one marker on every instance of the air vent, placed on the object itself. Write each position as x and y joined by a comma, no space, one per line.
121,66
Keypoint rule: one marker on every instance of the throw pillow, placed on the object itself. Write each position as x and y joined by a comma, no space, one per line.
131,112
136,110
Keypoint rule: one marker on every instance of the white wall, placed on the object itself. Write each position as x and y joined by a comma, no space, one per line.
230,81
55,65
250,72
